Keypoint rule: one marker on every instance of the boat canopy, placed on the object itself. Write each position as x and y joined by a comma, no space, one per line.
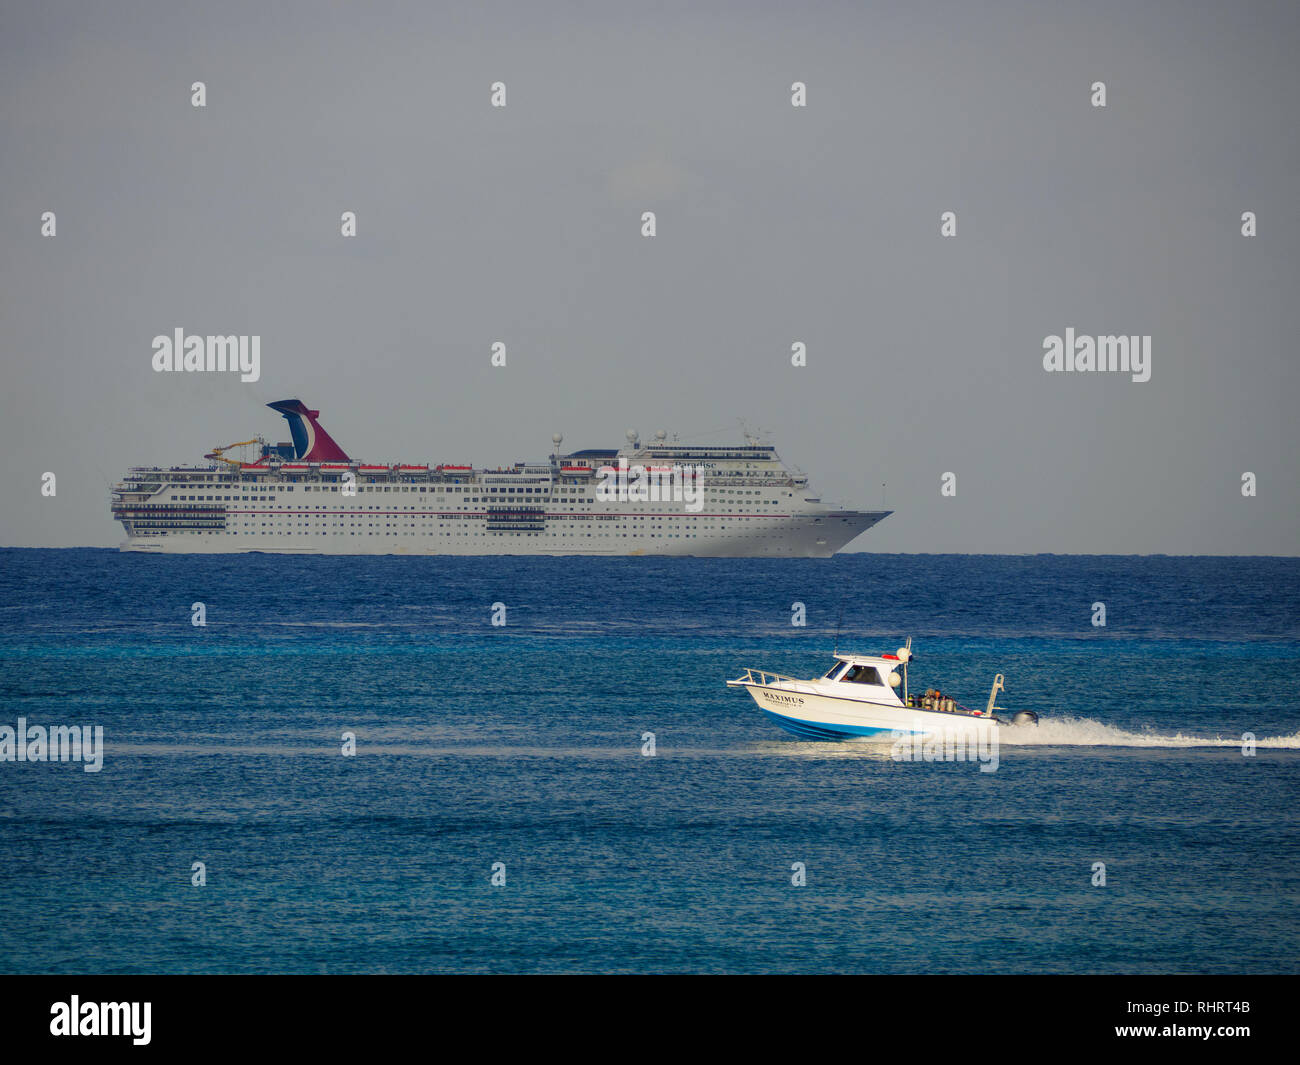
887,661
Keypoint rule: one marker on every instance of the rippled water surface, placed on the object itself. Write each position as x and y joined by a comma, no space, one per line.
523,744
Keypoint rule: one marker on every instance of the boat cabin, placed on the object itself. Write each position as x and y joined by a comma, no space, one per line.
883,679
874,677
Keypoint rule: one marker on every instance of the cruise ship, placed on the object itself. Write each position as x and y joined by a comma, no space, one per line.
306,496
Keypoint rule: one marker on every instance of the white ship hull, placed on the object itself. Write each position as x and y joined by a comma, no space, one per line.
789,538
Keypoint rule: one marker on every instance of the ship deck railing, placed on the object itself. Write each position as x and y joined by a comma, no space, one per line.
763,679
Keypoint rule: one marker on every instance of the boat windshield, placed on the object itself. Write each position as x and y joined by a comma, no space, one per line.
862,675
830,673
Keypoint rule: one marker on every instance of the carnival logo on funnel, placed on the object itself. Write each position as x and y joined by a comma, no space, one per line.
196,354
311,443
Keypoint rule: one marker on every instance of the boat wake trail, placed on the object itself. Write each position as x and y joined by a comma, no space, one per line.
1087,732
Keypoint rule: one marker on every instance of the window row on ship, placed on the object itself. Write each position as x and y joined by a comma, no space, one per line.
774,478
579,529
462,495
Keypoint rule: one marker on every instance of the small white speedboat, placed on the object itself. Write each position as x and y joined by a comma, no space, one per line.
859,696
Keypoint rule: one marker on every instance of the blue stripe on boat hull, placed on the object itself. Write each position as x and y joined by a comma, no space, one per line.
816,730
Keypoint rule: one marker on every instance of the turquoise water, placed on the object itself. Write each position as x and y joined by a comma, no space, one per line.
522,745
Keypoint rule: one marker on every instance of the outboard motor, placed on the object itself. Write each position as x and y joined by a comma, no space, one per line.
1021,717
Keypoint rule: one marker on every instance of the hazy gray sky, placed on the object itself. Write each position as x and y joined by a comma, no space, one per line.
775,225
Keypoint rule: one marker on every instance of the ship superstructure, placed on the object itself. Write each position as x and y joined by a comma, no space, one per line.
306,496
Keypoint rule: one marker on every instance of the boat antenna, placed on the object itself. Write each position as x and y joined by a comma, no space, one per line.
837,627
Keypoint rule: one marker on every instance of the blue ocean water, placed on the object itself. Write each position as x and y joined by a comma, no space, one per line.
522,745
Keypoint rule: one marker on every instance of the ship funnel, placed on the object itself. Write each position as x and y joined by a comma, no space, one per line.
311,443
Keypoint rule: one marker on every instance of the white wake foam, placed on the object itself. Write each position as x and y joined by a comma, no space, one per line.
1086,732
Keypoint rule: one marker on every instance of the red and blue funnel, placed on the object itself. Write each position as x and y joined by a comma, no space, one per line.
311,443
